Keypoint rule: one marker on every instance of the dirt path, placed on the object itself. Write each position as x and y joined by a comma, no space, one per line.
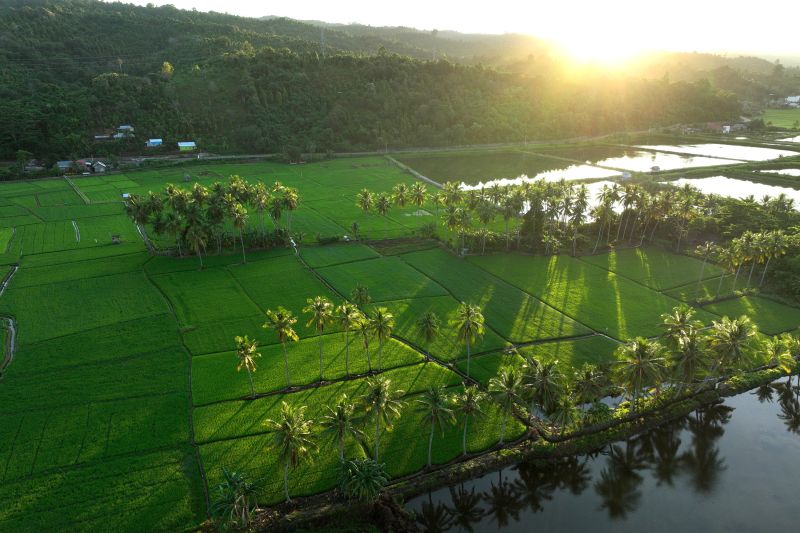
11,326
77,190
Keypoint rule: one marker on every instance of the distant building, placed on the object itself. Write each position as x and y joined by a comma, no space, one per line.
187,146
153,143
124,132
125,127
63,165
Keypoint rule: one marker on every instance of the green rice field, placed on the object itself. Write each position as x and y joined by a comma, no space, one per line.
123,403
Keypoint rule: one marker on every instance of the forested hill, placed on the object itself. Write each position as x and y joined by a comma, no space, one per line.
73,68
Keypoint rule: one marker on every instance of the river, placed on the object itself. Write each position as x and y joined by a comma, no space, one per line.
729,467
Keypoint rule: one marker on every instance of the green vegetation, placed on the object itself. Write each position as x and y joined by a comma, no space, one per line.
782,118
770,316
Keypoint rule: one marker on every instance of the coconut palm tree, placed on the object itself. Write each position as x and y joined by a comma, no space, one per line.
506,388
729,260
261,199
382,322
348,316
689,357
321,311
730,340
341,423
246,353
400,194
587,384
383,404
436,403
640,364
776,244
362,479
281,322
173,224
428,326
469,322
360,296
383,204
290,199
546,384
679,322
578,213
418,193
468,404
239,215
563,414
365,200
197,237
293,439
275,210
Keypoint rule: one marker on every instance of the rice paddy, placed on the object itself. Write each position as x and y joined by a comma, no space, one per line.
123,393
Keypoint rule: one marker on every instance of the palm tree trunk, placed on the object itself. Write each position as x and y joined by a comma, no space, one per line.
286,366
346,352
736,277
719,287
241,238
377,433
574,241
178,242
286,481
369,360
200,256
752,268
464,435
341,450
764,273
320,355
250,379
599,235
619,226
430,444
503,429
468,357
380,355
699,281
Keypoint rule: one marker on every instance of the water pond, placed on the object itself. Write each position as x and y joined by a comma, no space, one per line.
733,188
728,467
726,151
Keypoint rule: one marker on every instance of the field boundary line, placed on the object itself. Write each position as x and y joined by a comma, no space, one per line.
77,190
77,231
190,411
403,166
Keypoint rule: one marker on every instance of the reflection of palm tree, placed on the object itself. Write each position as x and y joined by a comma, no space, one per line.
434,517
619,493
466,509
504,502
764,393
666,443
790,414
535,484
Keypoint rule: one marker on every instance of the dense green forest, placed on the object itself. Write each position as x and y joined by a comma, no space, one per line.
71,69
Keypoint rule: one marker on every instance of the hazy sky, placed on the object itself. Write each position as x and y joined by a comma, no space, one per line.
589,28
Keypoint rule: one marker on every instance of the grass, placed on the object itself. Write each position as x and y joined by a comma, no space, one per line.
386,278
517,316
782,118
605,302
770,316
334,254
657,269
214,376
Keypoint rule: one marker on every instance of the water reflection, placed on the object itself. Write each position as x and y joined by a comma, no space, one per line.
644,481
726,151
735,188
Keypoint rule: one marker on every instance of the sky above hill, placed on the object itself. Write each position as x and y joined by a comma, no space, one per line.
588,29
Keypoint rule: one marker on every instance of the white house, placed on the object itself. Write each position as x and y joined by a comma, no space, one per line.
793,101
153,143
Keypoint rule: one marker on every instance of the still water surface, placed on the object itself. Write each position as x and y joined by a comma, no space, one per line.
729,467
733,188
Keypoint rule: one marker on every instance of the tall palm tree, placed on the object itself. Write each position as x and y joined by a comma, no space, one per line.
469,322
239,216
563,413
418,193
383,204
776,244
506,388
293,439
261,199
400,194
341,423
468,405
730,340
428,326
246,353
360,296
365,200
197,237
689,358
578,213
173,224
679,322
382,322
281,322
438,412
587,384
729,260
321,311
348,316
291,199
383,404
640,364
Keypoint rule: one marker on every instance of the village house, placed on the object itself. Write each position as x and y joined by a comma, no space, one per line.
187,146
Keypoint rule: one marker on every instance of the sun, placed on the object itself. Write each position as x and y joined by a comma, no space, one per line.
608,50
